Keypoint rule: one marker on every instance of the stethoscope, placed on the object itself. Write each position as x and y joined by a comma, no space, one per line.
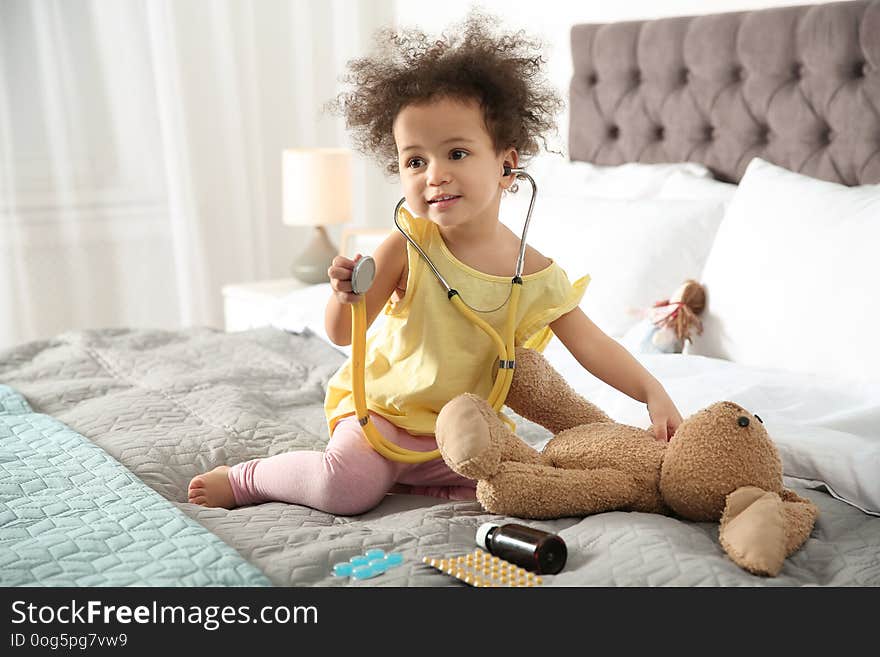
362,278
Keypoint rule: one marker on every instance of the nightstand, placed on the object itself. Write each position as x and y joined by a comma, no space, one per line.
251,305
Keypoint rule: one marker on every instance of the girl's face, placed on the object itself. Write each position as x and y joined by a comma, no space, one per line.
449,169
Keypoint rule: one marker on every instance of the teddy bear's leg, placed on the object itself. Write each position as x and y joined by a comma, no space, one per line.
528,490
540,394
614,445
473,440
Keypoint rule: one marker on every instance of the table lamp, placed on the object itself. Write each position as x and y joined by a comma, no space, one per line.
316,184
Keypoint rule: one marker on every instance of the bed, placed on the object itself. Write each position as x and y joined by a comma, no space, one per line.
101,431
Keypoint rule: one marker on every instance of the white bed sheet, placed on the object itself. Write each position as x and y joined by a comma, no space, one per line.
827,431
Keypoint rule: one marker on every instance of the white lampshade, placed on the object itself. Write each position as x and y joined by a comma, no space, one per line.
316,184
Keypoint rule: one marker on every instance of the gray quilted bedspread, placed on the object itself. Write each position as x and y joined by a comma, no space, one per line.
168,405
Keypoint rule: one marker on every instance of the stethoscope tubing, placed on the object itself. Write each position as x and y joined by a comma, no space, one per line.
505,345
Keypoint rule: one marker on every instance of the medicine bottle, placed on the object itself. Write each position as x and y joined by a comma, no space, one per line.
535,550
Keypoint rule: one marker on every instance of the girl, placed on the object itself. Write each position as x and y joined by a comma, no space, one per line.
447,116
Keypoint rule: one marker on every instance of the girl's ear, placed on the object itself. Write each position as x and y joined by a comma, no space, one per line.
511,159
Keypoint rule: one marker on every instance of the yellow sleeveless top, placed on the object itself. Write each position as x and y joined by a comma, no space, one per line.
426,353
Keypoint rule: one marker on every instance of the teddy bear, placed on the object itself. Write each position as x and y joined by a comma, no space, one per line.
720,466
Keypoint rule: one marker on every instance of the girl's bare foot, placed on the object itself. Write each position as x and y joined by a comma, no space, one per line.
212,488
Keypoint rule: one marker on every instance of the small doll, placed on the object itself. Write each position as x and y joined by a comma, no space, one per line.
669,323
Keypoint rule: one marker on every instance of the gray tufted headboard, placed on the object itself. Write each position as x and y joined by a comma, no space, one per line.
797,86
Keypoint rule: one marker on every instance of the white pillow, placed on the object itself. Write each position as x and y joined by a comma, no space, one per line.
610,222
791,279
555,175
684,185
635,251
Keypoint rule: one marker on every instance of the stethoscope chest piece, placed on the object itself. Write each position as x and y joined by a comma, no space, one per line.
363,274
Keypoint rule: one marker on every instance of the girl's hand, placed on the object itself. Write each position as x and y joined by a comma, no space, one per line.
664,415
340,278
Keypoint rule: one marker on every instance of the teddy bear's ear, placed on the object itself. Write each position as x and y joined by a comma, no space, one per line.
753,530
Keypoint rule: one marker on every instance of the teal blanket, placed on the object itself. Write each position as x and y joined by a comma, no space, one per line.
71,515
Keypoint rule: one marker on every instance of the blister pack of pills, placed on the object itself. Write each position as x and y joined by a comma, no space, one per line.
479,568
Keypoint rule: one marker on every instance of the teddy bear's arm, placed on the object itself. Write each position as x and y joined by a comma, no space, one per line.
540,394
760,529
800,517
752,530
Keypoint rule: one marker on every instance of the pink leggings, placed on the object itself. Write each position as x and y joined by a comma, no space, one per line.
348,477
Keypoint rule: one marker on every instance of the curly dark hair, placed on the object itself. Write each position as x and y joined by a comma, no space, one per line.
502,73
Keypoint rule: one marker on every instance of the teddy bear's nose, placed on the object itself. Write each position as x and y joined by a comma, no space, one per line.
743,421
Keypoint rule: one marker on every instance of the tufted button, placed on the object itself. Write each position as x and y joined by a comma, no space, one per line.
709,133
764,134
860,69
797,71
685,75
659,133
592,79
636,76
827,135
613,132
738,74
